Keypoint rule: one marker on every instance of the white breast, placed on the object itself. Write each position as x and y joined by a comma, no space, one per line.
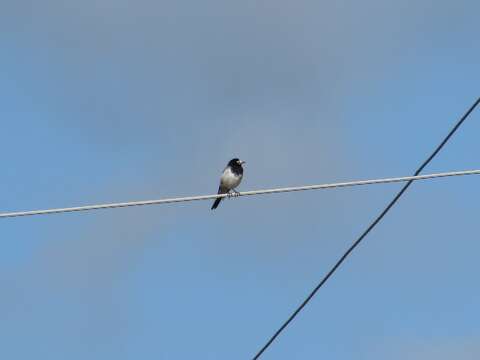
229,180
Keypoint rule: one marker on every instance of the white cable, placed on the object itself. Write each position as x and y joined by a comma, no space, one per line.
245,193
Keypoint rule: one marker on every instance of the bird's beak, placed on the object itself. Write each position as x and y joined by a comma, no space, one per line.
242,162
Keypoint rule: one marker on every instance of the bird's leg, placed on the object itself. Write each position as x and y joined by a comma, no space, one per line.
232,193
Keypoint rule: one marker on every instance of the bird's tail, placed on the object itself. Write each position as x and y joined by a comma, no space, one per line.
217,200
215,204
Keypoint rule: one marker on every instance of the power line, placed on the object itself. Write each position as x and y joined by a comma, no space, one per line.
367,231
245,193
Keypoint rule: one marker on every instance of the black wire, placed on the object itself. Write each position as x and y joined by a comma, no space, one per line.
365,233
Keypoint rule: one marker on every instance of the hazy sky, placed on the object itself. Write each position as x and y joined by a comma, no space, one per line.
106,101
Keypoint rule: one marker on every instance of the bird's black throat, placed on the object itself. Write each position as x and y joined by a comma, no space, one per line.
237,169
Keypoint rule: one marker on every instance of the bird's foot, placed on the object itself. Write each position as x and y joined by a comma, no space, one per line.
233,194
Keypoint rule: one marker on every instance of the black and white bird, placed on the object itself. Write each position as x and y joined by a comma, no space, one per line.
231,178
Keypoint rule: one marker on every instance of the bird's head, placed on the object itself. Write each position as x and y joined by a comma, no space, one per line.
236,162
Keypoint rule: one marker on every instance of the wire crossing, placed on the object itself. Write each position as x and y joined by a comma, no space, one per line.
245,193
370,227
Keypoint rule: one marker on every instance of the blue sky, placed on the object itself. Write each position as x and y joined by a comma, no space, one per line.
106,101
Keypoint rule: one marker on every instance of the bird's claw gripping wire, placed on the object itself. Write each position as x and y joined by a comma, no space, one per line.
233,194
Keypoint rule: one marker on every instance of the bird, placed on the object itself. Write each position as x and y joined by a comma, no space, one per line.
230,179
